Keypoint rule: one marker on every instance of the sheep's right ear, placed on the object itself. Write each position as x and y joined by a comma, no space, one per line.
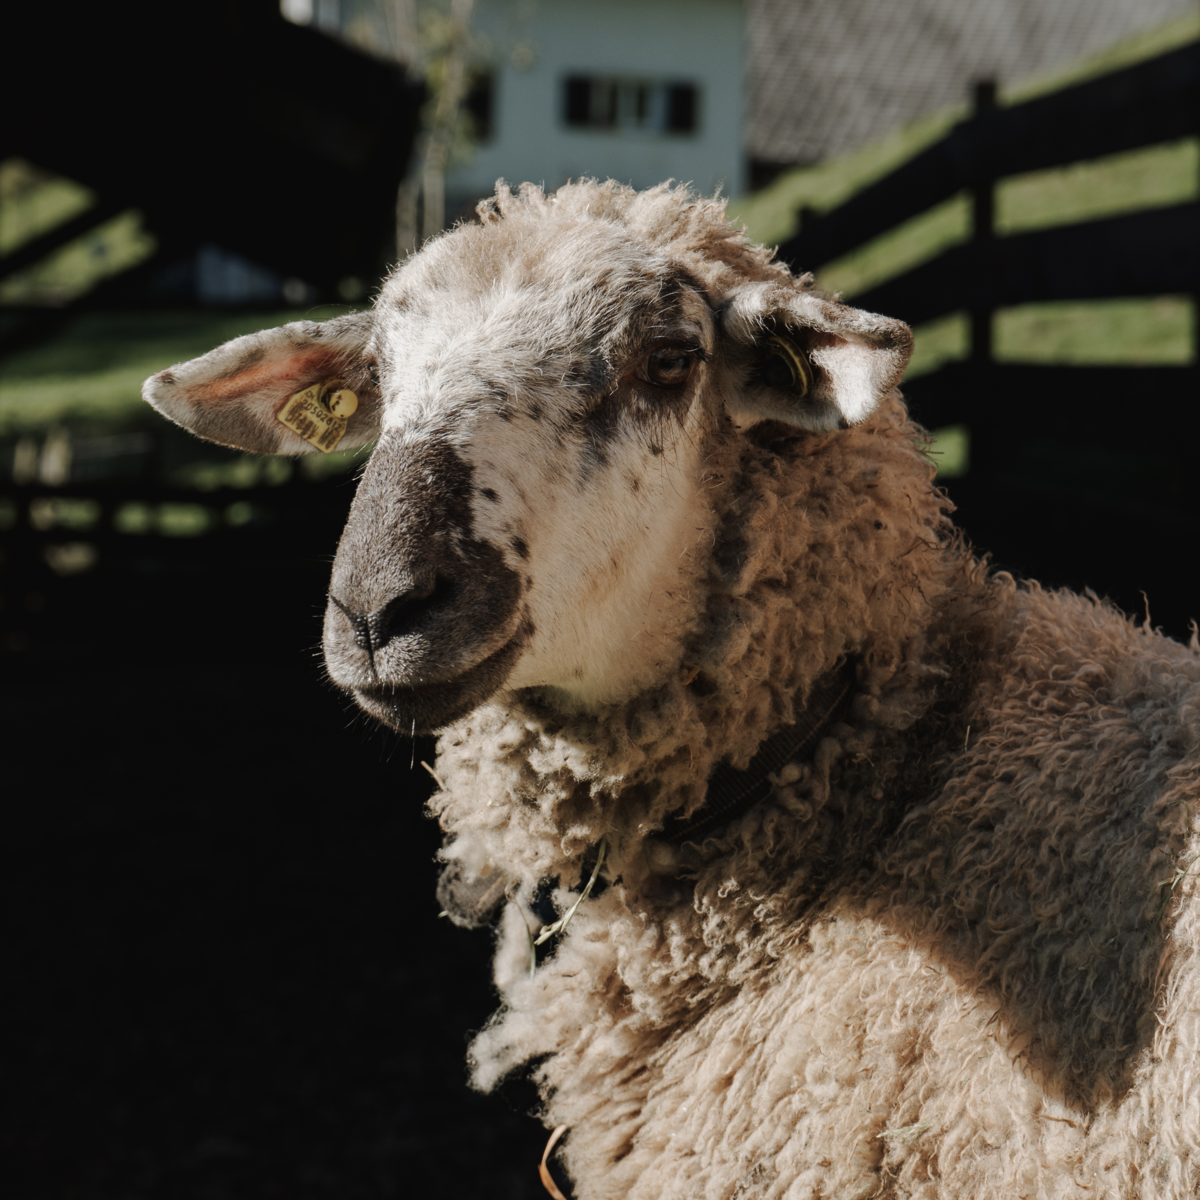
815,363
241,393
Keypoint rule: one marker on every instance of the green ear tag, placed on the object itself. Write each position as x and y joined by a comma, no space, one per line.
794,360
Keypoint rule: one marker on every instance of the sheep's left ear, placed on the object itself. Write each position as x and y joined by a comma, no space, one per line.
302,387
814,362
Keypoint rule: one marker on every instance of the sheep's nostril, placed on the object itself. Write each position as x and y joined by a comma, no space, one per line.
359,622
400,615
404,612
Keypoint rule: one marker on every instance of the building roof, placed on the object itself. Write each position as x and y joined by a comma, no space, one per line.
826,77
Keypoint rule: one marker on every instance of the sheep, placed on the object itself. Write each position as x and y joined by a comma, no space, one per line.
872,867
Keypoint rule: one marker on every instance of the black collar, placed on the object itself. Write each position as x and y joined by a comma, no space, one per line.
474,900
731,794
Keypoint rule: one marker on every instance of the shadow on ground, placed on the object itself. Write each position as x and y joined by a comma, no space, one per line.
224,971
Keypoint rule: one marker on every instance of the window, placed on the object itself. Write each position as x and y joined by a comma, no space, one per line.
478,104
607,102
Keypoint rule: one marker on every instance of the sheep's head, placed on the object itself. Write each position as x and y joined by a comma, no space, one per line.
545,390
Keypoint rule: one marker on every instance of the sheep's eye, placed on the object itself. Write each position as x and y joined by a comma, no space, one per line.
669,367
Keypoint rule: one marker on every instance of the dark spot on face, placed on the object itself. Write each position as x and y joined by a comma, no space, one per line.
635,484
536,412
504,414
591,374
593,459
520,547
489,494
878,524
600,428
655,449
603,423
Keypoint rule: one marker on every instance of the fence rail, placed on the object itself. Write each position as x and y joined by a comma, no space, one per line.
1151,252
1154,252
1077,475
1151,102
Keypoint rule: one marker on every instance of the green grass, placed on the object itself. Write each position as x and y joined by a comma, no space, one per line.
950,451
74,269
770,215
1158,332
1155,332
1149,177
899,249
941,341
1148,44
32,202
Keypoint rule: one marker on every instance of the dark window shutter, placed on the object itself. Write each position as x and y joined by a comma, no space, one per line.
681,108
577,95
478,103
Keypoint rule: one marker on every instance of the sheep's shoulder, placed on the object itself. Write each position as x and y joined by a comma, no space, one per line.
1041,873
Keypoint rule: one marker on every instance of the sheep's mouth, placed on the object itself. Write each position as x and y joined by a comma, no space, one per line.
428,707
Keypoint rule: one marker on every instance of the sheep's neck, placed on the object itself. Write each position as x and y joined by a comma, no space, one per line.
732,793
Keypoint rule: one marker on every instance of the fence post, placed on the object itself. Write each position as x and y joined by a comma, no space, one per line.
807,219
983,223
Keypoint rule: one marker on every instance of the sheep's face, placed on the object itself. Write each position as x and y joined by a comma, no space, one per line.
535,484
545,391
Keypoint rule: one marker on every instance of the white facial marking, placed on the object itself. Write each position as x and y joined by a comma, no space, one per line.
591,492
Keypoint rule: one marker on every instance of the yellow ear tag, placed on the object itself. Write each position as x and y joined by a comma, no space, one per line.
341,401
797,364
319,413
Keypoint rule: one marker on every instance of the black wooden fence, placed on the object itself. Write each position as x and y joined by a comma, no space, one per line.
145,550
1078,475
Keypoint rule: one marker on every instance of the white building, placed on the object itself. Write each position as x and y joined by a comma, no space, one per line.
775,83
636,90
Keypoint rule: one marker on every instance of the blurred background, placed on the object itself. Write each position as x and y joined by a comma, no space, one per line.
224,972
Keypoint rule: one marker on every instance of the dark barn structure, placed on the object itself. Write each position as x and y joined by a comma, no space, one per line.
226,125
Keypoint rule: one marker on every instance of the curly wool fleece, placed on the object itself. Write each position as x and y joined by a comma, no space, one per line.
953,955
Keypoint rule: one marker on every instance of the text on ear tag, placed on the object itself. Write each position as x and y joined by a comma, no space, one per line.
795,360
319,413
